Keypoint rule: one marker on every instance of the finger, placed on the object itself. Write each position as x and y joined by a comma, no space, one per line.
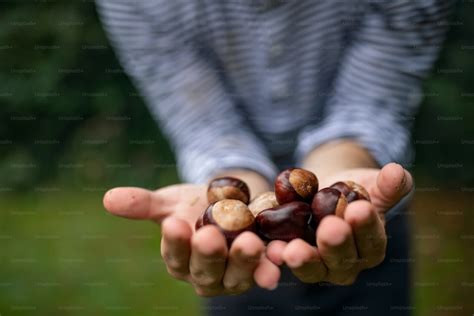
206,291
208,257
369,232
133,203
304,260
176,246
336,245
244,257
275,251
267,274
393,182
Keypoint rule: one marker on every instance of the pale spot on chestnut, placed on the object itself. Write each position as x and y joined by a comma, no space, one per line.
228,188
295,184
262,202
352,191
232,217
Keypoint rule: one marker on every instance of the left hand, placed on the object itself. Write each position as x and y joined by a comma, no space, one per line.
350,245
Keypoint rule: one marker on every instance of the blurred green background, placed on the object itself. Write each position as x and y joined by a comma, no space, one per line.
72,125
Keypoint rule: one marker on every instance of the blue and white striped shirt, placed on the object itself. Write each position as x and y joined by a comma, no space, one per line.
236,83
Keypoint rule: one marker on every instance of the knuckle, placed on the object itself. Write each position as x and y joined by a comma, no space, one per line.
376,256
239,290
208,291
309,278
204,292
251,253
375,261
346,279
240,287
204,280
179,275
175,264
247,251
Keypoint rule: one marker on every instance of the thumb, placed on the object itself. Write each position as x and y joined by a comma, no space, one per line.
393,183
134,203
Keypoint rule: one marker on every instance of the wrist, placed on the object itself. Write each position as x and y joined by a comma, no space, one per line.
338,156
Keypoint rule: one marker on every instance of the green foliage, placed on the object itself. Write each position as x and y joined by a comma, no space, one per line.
62,254
66,103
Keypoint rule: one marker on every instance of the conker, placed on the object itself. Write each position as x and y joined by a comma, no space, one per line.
295,184
328,201
351,190
262,202
310,234
199,222
232,217
284,222
228,188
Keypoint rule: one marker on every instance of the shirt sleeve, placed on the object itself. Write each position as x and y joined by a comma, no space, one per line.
182,88
377,90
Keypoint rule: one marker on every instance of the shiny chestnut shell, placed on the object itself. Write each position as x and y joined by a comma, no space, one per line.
352,191
295,184
262,202
228,188
284,222
199,222
328,201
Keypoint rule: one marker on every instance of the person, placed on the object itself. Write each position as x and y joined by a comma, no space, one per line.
245,88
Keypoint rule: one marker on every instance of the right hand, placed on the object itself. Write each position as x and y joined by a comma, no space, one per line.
198,257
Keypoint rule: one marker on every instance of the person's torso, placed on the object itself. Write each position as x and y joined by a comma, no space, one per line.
275,57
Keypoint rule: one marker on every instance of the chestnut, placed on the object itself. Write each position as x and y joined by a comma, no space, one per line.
198,222
228,188
328,201
295,184
351,190
284,222
310,235
232,217
262,202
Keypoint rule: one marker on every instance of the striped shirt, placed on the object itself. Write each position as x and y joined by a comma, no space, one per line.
237,83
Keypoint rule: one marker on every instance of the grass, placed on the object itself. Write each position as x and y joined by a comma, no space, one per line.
62,254
444,251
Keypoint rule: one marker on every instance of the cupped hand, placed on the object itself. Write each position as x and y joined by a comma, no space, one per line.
201,258
356,242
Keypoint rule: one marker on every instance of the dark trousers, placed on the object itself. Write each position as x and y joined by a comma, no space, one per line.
384,290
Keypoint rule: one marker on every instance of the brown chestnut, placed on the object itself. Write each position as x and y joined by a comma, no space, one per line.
353,191
284,222
228,188
198,222
310,235
232,217
262,202
328,201
295,184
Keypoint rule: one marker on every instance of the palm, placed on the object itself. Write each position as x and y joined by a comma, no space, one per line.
203,257
184,201
353,243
